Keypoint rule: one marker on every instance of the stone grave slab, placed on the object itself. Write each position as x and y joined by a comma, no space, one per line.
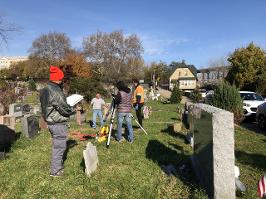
90,158
213,150
16,110
30,126
9,121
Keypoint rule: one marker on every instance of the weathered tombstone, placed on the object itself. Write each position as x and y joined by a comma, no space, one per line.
146,112
106,108
8,120
36,109
90,158
30,125
15,110
213,158
177,127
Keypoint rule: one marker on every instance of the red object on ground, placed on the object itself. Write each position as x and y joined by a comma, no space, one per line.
261,186
82,136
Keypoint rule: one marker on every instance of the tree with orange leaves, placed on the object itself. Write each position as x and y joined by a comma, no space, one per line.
80,66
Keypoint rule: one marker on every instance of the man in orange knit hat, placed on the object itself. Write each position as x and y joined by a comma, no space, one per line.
56,112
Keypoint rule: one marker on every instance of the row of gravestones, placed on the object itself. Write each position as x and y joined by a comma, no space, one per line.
29,117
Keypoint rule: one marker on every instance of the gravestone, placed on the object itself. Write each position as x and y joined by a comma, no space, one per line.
106,109
37,109
9,121
213,157
90,158
15,110
177,126
30,125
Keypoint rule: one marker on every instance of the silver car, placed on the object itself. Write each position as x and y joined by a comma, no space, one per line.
261,116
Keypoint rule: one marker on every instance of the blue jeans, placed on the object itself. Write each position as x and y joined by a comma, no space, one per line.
94,115
120,119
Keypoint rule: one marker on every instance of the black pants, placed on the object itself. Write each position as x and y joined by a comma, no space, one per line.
139,114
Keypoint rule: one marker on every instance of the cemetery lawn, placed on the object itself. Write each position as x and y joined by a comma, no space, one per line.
125,170
250,152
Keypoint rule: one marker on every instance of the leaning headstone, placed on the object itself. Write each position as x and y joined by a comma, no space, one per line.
213,157
90,158
30,125
15,110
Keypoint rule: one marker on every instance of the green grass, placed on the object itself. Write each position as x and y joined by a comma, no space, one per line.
32,99
250,152
125,170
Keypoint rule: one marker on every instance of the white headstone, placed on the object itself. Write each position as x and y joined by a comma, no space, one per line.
15,110
90,158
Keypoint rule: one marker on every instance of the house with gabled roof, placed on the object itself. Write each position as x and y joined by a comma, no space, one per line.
185,76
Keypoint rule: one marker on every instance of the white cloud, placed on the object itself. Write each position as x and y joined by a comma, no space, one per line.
154,45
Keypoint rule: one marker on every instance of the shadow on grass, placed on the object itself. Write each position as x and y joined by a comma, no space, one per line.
70,144
252,159
170,131
7,138
82,165
180,163
252,126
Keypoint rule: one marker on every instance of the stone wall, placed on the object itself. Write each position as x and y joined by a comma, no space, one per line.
213,158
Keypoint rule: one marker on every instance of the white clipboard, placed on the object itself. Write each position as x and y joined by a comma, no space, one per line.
72,100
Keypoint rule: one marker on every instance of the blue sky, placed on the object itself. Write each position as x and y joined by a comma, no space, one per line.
198,31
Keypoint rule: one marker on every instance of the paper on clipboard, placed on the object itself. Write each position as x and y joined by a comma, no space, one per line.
72,100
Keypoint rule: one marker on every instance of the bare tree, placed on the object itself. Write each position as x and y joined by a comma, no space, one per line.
219,62
113,55
5,30
51,47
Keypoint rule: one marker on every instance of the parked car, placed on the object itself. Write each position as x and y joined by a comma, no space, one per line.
261,116
208,96
251,101
203,93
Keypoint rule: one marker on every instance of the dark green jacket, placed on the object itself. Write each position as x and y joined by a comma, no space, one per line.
53,104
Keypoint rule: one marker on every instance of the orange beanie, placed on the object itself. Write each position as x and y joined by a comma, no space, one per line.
56,74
